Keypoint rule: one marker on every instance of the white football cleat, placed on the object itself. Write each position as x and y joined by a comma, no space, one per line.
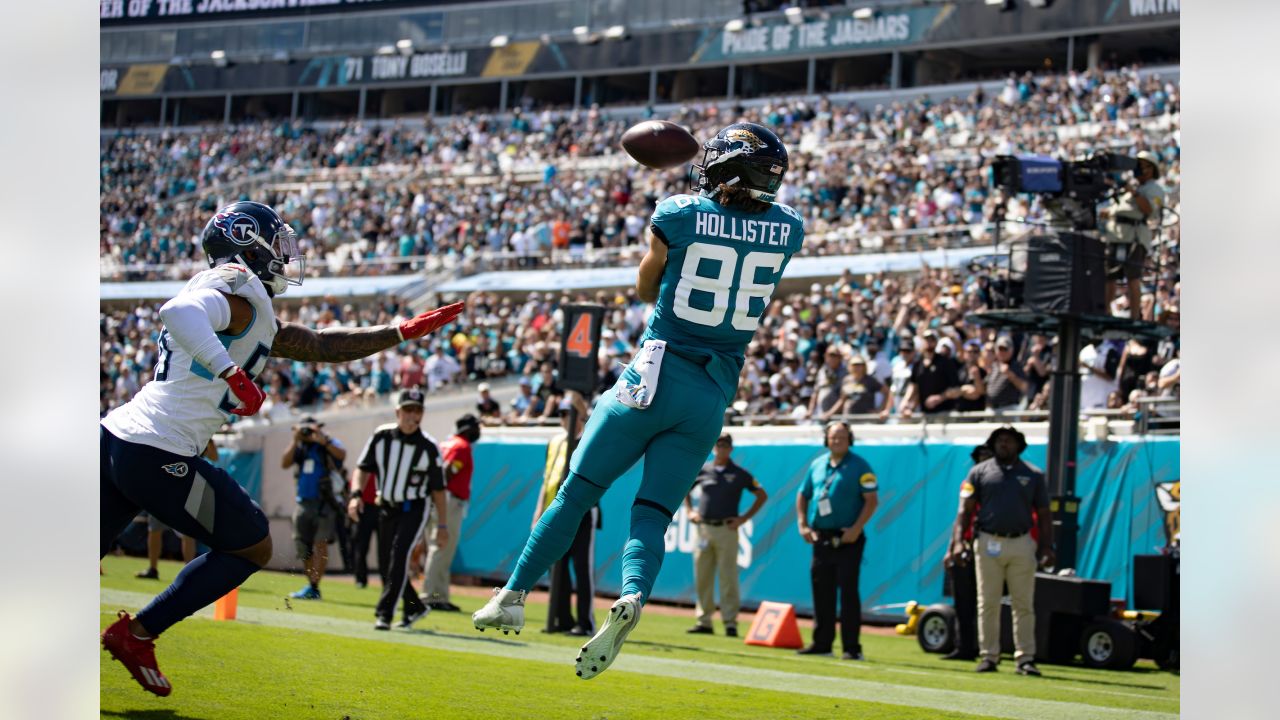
504,611
600,651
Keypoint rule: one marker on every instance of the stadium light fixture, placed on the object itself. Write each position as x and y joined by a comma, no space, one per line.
387,50
614,32
499,41
864,13
581,30
405,46
734,25
1004,5
795,15
219,57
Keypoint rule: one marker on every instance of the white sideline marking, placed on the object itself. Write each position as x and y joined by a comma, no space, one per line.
510,647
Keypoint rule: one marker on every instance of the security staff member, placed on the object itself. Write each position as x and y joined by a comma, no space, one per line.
722,482
964,585
836,500
407,463
1004,492
581,554
366,524
458,466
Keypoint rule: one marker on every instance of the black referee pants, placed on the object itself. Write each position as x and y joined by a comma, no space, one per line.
837,569
400,524
964,593
581,557
365,527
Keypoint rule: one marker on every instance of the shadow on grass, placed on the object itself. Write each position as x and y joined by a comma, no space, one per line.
282,601
165,714
496,638
329,602
1048,670
668,647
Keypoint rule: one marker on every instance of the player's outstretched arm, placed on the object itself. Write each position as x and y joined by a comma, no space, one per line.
340,344
649,277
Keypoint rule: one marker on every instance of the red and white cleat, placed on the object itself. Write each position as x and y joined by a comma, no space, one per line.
136,654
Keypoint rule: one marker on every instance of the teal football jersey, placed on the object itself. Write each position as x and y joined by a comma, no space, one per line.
722,267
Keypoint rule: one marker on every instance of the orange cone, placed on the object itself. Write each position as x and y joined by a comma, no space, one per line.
224,608
775,626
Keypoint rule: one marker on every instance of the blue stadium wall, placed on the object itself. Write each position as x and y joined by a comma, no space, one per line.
919,484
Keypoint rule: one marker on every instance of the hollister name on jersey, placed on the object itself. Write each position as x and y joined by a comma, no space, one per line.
727,227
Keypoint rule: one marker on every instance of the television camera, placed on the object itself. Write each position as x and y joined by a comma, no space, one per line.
1072,189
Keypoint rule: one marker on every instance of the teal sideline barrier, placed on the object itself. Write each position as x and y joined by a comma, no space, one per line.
245,467
919,490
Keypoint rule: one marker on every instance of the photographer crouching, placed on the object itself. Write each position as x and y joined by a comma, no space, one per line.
314,455
1127,231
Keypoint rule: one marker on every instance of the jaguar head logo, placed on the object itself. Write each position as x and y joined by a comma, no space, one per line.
748,140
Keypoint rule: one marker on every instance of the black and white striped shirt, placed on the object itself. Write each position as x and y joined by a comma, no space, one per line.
408,466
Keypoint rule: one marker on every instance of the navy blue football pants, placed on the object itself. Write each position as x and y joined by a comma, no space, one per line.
192,496
188,493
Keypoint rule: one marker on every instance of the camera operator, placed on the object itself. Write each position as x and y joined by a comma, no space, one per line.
1127,231
314,455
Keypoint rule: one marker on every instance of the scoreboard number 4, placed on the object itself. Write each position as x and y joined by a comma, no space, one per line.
579,342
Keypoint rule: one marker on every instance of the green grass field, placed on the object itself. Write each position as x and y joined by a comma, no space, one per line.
325,660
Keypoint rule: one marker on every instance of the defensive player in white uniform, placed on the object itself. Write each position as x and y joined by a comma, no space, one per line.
218,333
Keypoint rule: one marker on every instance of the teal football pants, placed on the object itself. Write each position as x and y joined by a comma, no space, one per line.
674,435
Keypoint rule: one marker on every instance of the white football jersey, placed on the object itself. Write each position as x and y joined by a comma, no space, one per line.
181,409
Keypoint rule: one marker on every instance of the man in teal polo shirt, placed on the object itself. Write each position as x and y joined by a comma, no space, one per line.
836,500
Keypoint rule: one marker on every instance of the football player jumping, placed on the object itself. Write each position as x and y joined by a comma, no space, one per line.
713,262
218,333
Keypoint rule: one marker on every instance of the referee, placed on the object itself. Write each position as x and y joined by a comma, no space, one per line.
406,463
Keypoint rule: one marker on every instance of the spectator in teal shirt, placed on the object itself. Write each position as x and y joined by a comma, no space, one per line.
836,500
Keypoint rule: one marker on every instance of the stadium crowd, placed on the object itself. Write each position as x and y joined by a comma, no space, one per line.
866,179
444,195
800,367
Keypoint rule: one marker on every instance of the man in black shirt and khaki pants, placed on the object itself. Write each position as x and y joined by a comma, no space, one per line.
407,464
1004,491
722,482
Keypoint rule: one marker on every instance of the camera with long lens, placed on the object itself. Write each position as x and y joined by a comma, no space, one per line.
1061,271
1072,189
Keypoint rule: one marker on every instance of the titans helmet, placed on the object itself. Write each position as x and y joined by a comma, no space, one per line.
253,234
742,155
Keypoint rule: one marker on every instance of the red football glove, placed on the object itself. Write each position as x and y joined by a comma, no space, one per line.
429,321
246,391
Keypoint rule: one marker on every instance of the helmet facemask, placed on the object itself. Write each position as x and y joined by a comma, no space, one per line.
723,164
284,264
255,236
